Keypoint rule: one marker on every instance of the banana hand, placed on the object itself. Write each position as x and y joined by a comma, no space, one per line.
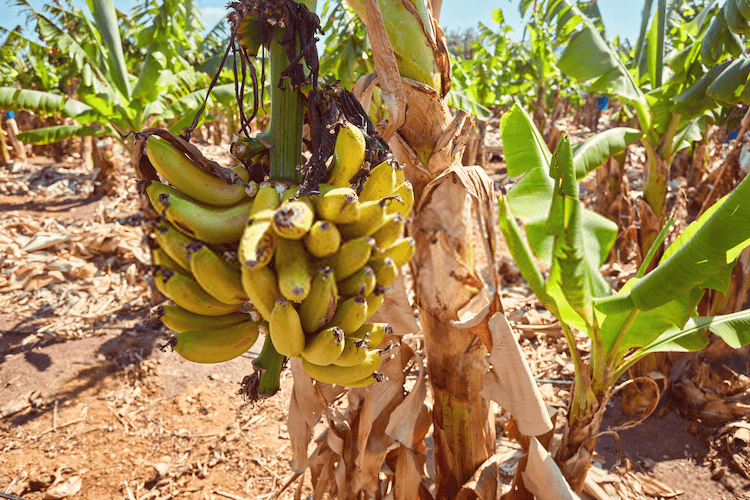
216,345
188,294
344,375
325,347
173,242
181,320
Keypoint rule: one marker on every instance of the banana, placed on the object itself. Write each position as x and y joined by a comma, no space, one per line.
375,300
293,269
406,192
285,329
215,225
351,257
380,183
266,199
400,174
390,231
350,314
344,375
368,380
293,220
258,243
338,205
260,288
188,294
348,155
323,239
401,252
217,275
270,363
371,217
215,345
325,347
181,320
188,177
354,352
374,332
162,259
363,281
385,271
319,306
173,242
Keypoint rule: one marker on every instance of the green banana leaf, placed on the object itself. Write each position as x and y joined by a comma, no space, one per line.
728,85
461,100
523,145
656,45
105,17
594,151
45,103
48,135
690,133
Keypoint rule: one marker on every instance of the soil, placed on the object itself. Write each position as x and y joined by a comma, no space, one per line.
108,415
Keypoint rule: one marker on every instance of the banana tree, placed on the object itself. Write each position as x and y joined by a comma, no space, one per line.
653,312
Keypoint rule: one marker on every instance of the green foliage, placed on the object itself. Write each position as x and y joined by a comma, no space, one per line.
346,54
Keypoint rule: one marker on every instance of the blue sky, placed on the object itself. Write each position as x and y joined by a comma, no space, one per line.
621,17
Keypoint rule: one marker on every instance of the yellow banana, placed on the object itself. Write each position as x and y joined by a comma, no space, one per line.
368,380
257,244
266,199
173,242
404,206
348,155
363,281
216,345
401,252
350,314
188,294
385,271
260,288
317,309
375,300
354,352
390,231
324,347
188,177
162,259
293,220
181,320
285,329
400,174
293,269
219,276
215,225
380,183
351,257
344,375
374,332
323,239
338,205
371,217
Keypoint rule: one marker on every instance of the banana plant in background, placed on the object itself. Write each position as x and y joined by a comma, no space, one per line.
111,101
653,312
346,49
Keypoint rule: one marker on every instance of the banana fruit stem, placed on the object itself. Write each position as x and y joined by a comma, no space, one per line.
270,363
287,114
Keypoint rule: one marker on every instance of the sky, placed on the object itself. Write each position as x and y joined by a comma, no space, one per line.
621,17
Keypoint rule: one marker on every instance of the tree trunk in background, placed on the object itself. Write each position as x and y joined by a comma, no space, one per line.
17,145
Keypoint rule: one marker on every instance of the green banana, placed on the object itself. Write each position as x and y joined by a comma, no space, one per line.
344,375
285,329
216,345
338,205
375,300
363,281
217,275
181,320
390,232
270,363
348,155
319,306
325,347
188,294
404,206
266,199
162,259
173,242
354,352
401,252
188,177
385,271
215,225
371,217
293,270
374,332
260,288
293,220
350,314
380,183
323,239
351,257
258,243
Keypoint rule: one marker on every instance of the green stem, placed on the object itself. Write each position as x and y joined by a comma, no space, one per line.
668,151
627,363
652,251
620,336
582,398
269,362
645,120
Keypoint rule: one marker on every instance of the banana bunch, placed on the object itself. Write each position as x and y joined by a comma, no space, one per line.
314,267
